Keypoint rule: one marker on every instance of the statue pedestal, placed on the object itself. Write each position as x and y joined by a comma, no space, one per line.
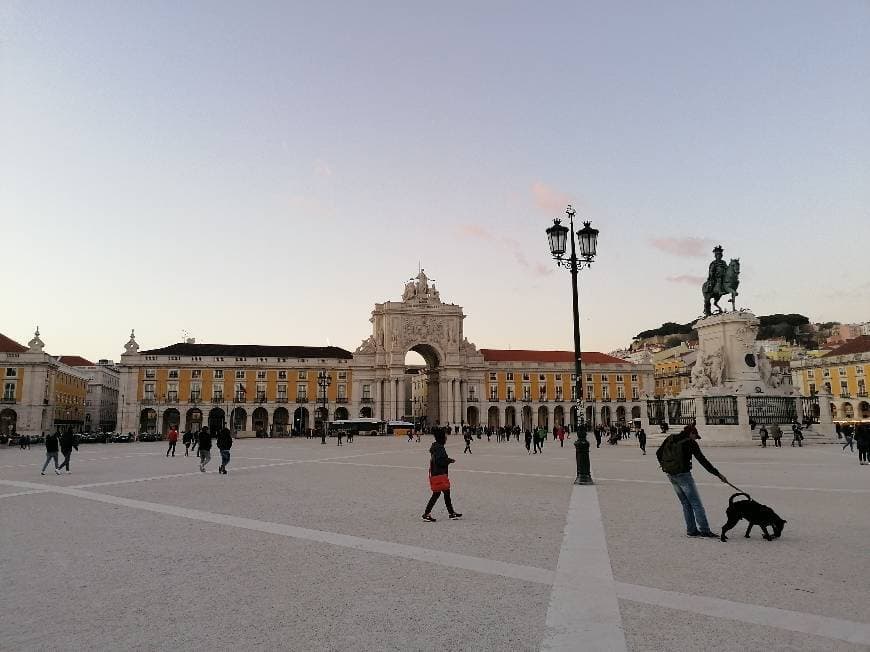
728,376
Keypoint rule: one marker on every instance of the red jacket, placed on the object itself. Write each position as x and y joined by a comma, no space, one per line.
173,435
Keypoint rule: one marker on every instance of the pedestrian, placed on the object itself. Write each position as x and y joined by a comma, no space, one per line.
529,441
797,435
185,439
26,442
641,440
173,440
67,443
224,444
560,433
862,440
675,457
597,433
338,435
776,433
439,480
194,441
468,438
848,436
763,435
323,434
536,440
516,434
349,434
204,448
51,444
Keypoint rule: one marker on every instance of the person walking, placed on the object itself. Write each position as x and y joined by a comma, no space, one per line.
560,433
51,444
848,436
224,444
349,435
776,433
467,436
597,433
675,457
67,443
173,440
338,435
528,438
797,435
763,435
204,448
185,439
194,441
641,440
862,440
439,481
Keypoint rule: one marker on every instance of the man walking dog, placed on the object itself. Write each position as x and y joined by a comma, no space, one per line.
675,457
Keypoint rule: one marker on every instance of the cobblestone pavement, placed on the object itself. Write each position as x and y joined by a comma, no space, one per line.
310,547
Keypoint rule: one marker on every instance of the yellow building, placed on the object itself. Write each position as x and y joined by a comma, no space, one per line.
263,390
672,370
843,373
40,393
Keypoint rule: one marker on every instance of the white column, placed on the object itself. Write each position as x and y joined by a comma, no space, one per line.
402,399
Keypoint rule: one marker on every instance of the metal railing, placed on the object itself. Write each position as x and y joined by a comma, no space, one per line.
341,399
771,409
657,411
302,399
7,399
681,411
367,399
721,410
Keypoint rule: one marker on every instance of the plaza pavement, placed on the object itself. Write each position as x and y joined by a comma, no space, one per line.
311,547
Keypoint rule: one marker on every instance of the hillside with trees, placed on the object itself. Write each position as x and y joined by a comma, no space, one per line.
792,327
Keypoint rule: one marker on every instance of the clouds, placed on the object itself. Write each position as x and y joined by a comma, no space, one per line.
549,199
688,279
684,247
512,246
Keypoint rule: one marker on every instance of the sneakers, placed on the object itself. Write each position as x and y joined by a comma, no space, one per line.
202,468
43,473
57,471
703,535
455,515
429,517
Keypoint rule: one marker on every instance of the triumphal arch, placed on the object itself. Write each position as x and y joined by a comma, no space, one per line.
384,388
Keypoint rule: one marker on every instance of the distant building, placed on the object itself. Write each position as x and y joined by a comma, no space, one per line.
842,333
673,370
101,403
40,393
843,373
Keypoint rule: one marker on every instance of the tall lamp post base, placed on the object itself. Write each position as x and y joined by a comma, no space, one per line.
581,454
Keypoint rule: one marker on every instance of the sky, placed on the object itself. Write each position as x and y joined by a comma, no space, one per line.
266,172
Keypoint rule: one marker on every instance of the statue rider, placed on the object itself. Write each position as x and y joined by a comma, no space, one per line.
716,273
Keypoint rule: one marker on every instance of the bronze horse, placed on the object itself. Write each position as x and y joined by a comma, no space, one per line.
729,286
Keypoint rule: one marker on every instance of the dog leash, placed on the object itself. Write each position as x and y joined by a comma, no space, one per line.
737,488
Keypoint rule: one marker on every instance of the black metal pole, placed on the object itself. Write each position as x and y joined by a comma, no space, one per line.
581,445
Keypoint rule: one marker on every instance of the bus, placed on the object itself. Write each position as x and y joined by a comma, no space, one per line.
361,426
398,428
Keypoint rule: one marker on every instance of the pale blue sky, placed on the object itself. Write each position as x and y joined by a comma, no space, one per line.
265,172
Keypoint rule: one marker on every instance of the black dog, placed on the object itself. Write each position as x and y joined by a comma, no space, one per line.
756,513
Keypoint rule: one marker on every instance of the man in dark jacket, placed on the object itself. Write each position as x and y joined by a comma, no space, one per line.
51,452
67,443
224,444
675,457
862,439
204,448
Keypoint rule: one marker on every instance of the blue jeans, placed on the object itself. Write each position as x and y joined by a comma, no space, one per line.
48,458
225,458
690,499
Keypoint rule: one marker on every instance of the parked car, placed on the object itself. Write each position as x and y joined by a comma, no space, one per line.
147,436
123,437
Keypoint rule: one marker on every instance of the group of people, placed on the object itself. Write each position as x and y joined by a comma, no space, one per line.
856,436
66,441
775,433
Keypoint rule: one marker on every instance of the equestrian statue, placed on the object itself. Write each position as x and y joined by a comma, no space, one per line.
722,279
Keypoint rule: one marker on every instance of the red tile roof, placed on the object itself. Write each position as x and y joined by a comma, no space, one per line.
515,355
75,361
10,346
860,344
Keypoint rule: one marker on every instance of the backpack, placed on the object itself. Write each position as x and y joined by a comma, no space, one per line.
671,458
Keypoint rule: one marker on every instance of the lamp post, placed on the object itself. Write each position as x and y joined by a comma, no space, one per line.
323,382
587,237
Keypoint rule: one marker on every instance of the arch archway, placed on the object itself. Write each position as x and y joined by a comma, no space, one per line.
340,414
620,415
216,419
300,420
171,417
8,421
471,416
492,419
193,420
848,411
425,395
148,421
590,415
544,417
864,410
365,413
239,419
635,412
510,416
260,421
280,420
558,416
527,418
605,415
833,411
